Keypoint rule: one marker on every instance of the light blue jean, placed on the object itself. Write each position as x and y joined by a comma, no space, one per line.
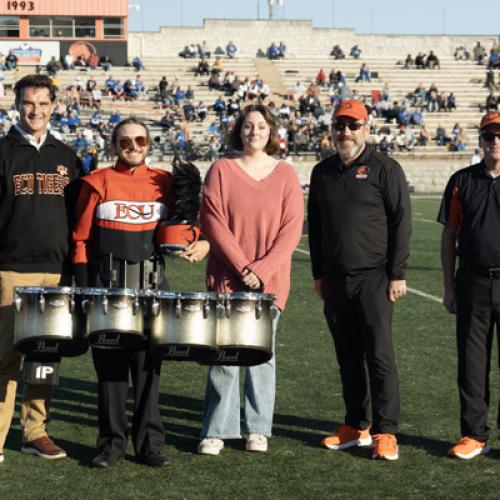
221,415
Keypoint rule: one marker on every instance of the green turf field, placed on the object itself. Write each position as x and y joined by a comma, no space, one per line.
308,405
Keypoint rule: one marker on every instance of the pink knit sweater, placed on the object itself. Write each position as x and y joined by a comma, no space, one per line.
251,224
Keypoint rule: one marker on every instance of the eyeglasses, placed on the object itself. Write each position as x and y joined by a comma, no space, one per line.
126,142
489,136
352,126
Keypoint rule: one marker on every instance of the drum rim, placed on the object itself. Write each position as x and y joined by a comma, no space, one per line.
120,292
197,295
48,290
251,296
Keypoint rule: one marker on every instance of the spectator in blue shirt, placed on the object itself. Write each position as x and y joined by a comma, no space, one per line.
89,160
273,52
364,73
219,105
79,142
97,120
137,63
73,121
118,90
179,95
355,52
110,83
114,118
416,118
64,123
214,129
231,50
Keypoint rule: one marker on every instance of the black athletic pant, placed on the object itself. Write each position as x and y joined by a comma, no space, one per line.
478,309
359,316
113,368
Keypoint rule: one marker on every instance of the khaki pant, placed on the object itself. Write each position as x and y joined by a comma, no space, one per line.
36,398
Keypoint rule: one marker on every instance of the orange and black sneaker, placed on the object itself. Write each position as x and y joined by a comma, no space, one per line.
386,447
346,436
467,448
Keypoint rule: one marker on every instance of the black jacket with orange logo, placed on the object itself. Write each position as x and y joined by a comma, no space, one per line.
118,211
471,203
359,216
38,193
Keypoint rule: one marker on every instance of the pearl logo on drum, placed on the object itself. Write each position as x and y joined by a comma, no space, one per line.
175,351
103,339
223,356
42,347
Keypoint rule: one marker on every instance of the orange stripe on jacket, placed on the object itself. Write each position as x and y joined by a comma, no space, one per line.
455,214
115,202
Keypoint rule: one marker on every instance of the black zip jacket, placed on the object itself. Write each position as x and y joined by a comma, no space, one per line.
359,216
38,193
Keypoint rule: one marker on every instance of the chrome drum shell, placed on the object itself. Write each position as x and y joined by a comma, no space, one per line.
183,325
49,320
115,317
244,329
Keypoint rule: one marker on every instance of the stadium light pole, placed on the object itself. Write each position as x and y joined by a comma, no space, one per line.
271,8
138,7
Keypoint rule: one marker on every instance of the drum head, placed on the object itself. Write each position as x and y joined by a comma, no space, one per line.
47,290
251,296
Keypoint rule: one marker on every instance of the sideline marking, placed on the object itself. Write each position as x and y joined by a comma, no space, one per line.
434,298
428,296
429,221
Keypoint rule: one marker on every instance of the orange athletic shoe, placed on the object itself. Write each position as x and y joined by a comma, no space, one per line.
346,436
386,447
467,448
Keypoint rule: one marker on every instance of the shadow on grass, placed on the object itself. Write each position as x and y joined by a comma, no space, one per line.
183,415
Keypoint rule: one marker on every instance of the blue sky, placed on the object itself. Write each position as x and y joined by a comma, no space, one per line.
365,16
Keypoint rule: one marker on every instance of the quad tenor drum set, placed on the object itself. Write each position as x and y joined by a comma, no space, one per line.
207,327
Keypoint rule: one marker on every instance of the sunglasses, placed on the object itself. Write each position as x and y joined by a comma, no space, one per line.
489,136
126,142
352,126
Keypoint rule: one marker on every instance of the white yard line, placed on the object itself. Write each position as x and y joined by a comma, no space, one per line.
429,221
426,196
434,298
428,296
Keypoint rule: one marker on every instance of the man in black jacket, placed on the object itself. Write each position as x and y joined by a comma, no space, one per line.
38,185
470,245
359,233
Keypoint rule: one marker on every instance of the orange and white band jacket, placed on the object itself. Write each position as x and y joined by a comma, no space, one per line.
118,211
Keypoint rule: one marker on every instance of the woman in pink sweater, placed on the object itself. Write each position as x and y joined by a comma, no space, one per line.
252,214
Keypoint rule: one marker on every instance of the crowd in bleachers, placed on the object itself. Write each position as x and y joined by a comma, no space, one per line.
304,113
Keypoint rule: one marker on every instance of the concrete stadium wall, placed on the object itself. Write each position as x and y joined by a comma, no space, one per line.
301,38
425,175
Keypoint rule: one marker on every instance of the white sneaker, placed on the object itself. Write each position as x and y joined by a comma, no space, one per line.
210,446
2,458
256,442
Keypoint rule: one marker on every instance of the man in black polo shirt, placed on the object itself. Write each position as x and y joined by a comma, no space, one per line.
470,212
359,235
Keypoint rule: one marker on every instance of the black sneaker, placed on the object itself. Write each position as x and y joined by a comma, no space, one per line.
105,460
154,459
